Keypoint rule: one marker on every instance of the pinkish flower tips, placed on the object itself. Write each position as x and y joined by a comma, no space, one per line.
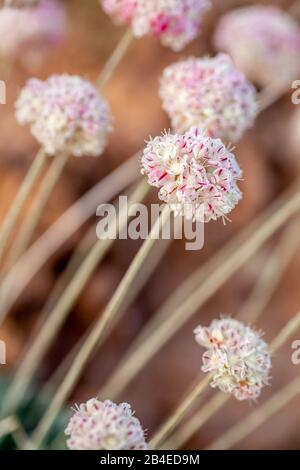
174,22
196,175
264,43
210,93
66,113
105,425
238,358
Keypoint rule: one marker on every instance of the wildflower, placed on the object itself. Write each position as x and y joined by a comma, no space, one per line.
65,112
105,425
209,93
174,22
31,30
237,356
264,43
196,174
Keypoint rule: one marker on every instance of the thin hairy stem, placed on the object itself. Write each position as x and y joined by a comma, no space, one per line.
104,321
180,412
28,228
210,278
15,210
58,233
62,308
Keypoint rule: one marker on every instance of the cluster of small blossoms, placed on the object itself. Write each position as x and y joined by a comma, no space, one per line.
209,93
174,22
21,3
66,113
197,175
236,355
263,41
105,425
33,29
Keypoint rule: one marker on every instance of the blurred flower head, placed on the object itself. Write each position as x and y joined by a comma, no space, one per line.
174,22
210,93
196,174
105,425
21,3
264,43
236,355
26,31
66,113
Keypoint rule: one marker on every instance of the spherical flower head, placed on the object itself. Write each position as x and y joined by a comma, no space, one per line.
209,93
105,425
65,113
21,3
30,30
174,22
264,43
196,174
237,357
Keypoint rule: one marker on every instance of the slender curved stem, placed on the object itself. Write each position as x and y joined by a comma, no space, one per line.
58,315
20,199
101,325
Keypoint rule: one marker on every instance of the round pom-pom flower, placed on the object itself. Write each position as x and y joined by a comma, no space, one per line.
65,113
209,93
196,174
174,22
237,356
105,425
264,43
27,32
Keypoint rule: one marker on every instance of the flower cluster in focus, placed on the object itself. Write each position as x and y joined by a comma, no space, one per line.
174,22
66,113
264,43
196,174
237,357
209,93
105,425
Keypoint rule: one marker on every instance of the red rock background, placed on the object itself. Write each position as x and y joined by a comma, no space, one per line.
269,162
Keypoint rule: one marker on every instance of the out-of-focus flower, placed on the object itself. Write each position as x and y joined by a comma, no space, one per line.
264,43
21,3
66,113
174,22
197,175
209,93
31,30
105,425
236,355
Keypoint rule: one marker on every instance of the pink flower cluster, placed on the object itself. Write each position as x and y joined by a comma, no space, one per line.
66,113
237,356
174,22
264,43
196,175
32,29
209,93
105,425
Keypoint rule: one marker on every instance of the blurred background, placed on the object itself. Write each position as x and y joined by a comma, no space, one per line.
269,156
